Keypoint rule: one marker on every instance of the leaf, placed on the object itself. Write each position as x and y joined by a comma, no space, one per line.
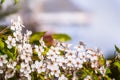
117,64
61,37
69,76
1,44
108,71
36,37
10,54
2,1
34,76
42,78
18,67
117,49
16,1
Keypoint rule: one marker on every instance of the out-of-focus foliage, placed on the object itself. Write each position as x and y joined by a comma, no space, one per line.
36,37
61,37
15,1
10,9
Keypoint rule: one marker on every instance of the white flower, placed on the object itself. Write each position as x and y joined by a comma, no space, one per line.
39,66
42,42
9,73
108,63
20,48
10,42
65,46
39,49
78,63
70,62
3,60
16,25
11,64
70,54
28,33
1,71
17,35
25,68
25,77
26,57
27,48
62,77
55,71
51,55
80,48
88,77
52,65
91,55
61,62
54,50
94,64
27,36
28,76
102,70
82,55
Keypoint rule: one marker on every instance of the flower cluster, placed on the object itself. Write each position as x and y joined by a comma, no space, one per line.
58,61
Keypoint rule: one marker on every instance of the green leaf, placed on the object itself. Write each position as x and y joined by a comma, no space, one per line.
108,71
2,1
34,76
69,76
16,1
117,49
10,54
61,37
42,77
1,44
117,64
36,37
18,67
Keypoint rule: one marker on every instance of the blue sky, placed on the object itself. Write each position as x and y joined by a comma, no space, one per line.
104,29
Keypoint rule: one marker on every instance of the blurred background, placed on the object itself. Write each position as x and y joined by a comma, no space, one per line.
95,22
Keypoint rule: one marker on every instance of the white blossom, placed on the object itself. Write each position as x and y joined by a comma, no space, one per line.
11,64
69,62
80,48
27,48
82,55
88,77
61,61
3,60
39,49
39,66
26,57
55,71
1,71
70,54
102,70
42,42
62,77
54,50
16,25
51,55
25,68
78,63
10,42
52,65
18,35
9,73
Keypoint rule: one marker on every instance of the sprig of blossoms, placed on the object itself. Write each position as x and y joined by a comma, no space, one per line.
54,62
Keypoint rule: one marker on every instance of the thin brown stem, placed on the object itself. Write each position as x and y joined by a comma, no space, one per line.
2,31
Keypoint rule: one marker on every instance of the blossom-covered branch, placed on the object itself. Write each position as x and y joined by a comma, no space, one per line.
59,61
